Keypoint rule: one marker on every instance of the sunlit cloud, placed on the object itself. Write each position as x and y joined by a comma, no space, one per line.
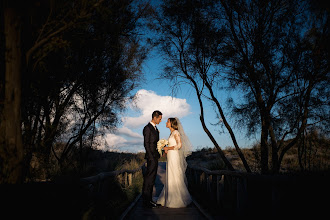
115,142
128,132
146,102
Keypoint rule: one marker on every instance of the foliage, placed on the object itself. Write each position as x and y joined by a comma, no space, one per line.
273,54
311,155
94,162
82,58
278,72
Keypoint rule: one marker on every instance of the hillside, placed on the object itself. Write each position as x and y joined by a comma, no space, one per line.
317,159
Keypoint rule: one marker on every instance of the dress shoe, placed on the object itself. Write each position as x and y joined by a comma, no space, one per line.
155,203
149,205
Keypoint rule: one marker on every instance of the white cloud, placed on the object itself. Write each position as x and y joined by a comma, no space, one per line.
114,142
145,102
128,132
148,101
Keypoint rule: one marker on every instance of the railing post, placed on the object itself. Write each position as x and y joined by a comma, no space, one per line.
125,179
201,178
208,182
220,186
130,179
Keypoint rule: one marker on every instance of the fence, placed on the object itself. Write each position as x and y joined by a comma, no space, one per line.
237,194
250,194
95,184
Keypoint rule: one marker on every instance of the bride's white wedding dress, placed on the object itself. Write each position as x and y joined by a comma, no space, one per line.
175,193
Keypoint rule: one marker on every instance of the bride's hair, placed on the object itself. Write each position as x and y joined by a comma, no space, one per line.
174,123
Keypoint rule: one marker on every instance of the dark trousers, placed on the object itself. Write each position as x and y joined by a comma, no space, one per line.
149,179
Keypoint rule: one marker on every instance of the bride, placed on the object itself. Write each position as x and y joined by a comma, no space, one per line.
175,193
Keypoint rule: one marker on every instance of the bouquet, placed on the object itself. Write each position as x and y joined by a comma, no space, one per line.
160,145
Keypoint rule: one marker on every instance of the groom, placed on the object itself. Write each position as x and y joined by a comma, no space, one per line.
151,137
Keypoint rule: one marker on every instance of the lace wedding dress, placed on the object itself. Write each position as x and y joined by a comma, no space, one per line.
175,193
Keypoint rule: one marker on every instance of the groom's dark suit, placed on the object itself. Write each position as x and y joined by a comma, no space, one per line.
151,137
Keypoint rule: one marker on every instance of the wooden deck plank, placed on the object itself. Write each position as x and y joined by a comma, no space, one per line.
163,213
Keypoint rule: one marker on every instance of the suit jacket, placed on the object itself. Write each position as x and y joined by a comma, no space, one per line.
151,137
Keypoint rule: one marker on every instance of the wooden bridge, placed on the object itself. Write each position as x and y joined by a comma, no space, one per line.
219,194
136,210
233,194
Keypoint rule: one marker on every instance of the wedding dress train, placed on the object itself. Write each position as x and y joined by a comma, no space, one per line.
175,193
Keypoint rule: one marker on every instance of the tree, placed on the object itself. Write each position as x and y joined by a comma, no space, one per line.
11,150
265,50
191,42
272,65
81,58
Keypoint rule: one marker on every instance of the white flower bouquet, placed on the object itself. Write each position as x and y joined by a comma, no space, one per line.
160,145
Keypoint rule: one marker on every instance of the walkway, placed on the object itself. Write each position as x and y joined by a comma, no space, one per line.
192,212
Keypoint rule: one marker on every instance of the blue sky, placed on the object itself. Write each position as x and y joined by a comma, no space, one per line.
155,94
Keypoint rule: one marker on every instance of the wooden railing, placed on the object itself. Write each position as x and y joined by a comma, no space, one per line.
233,192
242,194
225,189
95,184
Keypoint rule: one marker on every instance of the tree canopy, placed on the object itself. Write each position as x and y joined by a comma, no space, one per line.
273,53
80,60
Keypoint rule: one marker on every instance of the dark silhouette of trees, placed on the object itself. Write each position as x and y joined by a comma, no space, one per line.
279,73
274,53
191,53
80,59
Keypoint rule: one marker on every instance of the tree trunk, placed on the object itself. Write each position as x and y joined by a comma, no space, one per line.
264,147
11,154
232,135
275,163
222,155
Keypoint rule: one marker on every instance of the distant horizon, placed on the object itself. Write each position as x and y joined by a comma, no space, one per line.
194,150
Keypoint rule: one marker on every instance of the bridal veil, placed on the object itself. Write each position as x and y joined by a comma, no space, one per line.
186,148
